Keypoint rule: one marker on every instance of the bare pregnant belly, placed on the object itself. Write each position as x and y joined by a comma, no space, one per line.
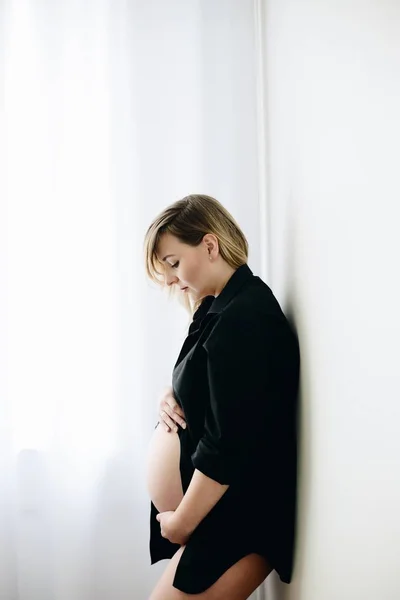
163,476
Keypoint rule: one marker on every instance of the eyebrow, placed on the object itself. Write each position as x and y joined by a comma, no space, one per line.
168,255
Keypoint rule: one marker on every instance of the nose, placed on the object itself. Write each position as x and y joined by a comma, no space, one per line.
169,280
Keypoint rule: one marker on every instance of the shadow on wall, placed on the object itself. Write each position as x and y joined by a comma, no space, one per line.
274,587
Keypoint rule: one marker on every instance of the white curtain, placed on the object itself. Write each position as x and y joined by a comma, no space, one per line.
110,110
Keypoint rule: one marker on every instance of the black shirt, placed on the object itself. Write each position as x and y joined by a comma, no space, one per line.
236,378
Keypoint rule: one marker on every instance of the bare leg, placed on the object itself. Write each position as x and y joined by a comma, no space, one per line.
237,583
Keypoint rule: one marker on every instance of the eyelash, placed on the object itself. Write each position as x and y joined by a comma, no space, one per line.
175,265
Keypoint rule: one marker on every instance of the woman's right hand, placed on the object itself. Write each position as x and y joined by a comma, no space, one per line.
170,412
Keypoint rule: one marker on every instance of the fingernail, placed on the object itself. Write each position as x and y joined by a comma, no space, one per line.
184,425
166,428
175,429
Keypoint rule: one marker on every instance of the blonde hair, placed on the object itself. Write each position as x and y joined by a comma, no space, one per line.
189,220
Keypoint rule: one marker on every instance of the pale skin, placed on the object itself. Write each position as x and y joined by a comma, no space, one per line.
203,272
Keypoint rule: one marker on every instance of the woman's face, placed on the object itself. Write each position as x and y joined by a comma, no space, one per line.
188,267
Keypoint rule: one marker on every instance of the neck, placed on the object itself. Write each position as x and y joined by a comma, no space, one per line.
224,277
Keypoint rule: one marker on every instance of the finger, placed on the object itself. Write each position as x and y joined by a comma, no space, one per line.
168,421
171,414
176,413
176,408
170,399
161,421
180,416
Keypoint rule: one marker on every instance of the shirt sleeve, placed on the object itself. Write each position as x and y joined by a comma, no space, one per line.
243,374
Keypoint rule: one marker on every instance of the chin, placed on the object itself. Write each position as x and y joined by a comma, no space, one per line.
193,295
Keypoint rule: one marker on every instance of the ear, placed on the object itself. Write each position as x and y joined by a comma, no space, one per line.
211,242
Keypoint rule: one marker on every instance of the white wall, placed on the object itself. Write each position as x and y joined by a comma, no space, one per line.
333,105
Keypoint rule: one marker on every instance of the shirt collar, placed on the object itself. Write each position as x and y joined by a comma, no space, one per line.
203,308
210,304
242,275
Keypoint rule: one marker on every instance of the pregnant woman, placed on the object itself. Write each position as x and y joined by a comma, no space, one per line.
222,459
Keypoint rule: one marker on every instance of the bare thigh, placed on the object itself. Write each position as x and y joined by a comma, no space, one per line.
164,482
237,583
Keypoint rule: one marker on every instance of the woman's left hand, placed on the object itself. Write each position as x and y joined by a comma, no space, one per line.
170,528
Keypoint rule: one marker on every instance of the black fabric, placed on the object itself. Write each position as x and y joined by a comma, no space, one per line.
236,379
